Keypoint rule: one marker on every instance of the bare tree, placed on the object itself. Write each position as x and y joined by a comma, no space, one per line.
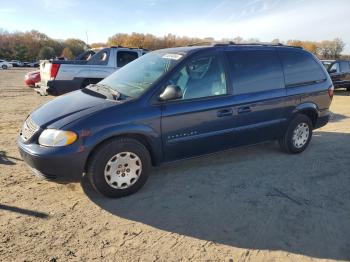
338,47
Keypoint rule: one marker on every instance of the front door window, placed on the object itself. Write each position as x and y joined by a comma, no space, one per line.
202,76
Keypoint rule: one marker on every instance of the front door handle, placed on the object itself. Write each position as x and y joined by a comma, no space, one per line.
225,112
244,109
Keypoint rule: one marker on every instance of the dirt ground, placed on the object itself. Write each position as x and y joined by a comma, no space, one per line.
247,204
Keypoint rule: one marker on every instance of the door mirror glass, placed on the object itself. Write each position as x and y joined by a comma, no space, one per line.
171,92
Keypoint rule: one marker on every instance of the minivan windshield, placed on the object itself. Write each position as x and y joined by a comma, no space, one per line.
136,77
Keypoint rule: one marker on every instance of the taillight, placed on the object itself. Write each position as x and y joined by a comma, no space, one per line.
54,70
331,91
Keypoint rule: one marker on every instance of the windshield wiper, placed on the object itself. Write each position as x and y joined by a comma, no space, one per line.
105,90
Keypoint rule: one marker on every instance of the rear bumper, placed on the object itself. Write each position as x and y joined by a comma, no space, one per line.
60,87
322,119
62,165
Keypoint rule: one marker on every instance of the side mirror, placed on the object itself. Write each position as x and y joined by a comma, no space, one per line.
171,92
332,71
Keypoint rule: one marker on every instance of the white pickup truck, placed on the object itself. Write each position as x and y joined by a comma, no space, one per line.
63,76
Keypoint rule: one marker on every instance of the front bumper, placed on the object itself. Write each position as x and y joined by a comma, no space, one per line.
60,164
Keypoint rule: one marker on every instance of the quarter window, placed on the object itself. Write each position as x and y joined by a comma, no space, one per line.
201,77
125,57
300,68
255,71
100,58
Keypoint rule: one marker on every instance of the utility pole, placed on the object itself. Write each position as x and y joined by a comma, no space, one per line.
87,37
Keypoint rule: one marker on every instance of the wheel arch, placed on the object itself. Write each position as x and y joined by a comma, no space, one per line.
308,109
142,138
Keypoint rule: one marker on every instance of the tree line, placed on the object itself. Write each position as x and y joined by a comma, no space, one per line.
327,49
34,45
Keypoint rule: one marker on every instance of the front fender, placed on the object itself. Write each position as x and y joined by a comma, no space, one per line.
153,138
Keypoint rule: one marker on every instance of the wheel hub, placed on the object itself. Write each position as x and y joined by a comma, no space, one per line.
123,170
301,135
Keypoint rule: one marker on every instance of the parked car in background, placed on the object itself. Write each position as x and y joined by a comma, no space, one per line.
63,76
339,70
4,64
31,78
25,64
34,64
174,104
16,63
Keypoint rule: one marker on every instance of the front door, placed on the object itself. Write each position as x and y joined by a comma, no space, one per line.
336,75
345,71
199,122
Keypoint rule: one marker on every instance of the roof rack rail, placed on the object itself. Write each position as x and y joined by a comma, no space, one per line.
227,43
201,43
119,46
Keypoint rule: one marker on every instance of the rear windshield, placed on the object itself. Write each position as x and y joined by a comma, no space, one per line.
136,77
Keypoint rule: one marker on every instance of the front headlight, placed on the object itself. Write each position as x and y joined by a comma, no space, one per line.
54,137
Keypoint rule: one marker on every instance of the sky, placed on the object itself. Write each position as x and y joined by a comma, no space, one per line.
95,21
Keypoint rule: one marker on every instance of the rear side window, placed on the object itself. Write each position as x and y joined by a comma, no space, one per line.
125,57
100,58
255,71
300,68
344,67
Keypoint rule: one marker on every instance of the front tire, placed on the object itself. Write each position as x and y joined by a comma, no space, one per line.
4,67
119,167
298,135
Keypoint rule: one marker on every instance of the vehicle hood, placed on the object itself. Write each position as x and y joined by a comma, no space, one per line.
68,108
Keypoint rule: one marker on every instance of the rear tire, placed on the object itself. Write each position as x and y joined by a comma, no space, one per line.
298,135
119,167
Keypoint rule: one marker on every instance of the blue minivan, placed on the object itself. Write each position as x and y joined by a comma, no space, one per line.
175,104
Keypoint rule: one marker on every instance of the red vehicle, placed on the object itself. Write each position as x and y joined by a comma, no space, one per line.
31,78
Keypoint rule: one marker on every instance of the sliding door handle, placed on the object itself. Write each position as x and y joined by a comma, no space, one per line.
225,112
244,109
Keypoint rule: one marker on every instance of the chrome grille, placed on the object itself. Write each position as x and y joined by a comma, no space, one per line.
29,128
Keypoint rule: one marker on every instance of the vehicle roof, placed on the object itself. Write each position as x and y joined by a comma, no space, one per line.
338,60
